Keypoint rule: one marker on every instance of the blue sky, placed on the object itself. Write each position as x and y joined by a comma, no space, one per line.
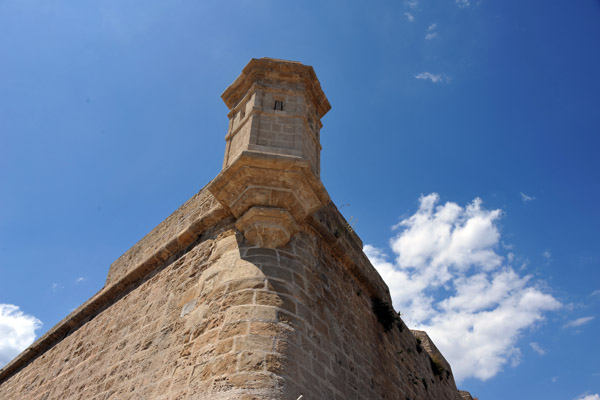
472,122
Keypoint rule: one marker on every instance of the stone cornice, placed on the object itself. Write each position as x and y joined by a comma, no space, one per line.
291,71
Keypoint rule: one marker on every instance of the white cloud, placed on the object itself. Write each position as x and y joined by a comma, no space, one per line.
409,16
507,246
431,34
17,331
432,77
57,286
596,292
448,279
586,396
463,3
537,348
79,280
554,379
578,322
526,198
412,4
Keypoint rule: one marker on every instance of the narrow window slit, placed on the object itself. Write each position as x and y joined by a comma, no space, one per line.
278,105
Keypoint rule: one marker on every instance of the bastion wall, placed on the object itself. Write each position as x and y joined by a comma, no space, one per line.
222,319
255,288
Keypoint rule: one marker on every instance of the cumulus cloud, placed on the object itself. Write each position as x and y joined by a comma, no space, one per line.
432,77
463,3
578,322
17,331
586,396
409,16
448,278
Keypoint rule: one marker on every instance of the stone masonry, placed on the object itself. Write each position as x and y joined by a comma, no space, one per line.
255,288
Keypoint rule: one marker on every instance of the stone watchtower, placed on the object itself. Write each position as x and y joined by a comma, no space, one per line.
255,288
270,180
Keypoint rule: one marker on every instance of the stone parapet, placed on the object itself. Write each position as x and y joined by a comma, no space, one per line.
466,395
436,355
166,241
171,232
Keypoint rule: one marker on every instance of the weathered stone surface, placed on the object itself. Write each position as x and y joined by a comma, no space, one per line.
267,226
466,395
439,364
248,328
199,310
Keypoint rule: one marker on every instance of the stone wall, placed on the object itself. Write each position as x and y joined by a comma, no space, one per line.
222,319
255,288
337,348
